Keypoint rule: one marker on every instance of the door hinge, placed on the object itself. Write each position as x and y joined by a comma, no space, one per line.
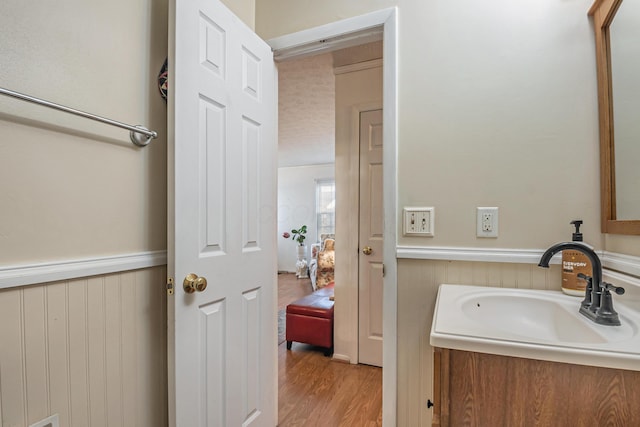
383,271
169,285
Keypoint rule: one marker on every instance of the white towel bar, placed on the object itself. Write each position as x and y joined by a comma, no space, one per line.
140,135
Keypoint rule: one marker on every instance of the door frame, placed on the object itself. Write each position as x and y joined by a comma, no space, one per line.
307,42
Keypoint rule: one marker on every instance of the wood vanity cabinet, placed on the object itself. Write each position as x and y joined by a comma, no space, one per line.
478,389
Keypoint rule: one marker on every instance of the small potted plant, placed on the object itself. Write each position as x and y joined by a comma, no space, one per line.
299,235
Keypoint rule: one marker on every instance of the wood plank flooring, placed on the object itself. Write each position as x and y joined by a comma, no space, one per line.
315,390
290,288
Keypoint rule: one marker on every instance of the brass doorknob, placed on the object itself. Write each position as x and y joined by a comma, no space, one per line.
367,250
193,283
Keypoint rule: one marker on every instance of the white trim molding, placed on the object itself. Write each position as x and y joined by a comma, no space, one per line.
358,66
621,277
336,35
627,264
22,275
619,262
390,196
523,256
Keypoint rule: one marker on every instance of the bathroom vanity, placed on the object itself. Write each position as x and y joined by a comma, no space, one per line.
480,389
509,357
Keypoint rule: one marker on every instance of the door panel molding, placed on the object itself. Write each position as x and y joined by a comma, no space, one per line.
371,232
222,150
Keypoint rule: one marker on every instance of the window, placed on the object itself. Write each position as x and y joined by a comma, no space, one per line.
326,207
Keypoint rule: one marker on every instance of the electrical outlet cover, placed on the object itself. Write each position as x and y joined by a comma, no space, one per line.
487,222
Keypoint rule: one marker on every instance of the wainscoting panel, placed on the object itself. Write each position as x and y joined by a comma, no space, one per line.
418,282
92,350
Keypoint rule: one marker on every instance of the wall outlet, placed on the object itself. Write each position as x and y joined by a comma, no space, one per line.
418,221
487,222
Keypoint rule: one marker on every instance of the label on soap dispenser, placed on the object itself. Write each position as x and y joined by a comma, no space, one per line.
573,263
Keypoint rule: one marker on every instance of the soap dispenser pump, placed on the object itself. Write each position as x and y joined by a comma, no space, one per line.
574,263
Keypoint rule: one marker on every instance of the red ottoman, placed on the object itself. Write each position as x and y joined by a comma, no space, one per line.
310,320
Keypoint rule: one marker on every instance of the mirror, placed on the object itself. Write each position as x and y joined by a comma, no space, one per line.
624,34
618,63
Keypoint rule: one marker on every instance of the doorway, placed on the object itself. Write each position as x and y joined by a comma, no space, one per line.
314,40
350,88
321,374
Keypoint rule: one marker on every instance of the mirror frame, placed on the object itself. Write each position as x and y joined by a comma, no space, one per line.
602,13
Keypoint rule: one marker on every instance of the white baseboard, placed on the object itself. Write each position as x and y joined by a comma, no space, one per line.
22,275
341,358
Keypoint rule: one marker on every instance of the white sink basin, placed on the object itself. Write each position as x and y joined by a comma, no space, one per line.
532,323
538,316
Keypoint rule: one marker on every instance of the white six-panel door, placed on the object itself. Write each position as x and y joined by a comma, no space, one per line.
222,191
370,240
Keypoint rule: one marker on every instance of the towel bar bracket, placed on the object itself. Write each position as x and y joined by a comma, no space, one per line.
141,139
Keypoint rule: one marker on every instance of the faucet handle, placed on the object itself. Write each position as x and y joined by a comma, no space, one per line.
584,276
617,289
606,315
586,302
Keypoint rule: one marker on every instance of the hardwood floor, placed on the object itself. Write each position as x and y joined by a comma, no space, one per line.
291,288
315,390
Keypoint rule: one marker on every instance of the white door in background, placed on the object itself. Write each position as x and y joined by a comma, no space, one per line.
370,241
222,175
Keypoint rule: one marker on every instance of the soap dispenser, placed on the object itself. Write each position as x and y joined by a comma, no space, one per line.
574,263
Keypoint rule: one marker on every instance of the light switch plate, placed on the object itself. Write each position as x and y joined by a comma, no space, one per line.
418,221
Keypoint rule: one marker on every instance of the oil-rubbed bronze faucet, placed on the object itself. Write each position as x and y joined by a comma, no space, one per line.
597,304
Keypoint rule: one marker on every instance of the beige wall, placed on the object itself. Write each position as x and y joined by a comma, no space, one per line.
497,106
71,187
92,350
243,9
502,95
629,245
